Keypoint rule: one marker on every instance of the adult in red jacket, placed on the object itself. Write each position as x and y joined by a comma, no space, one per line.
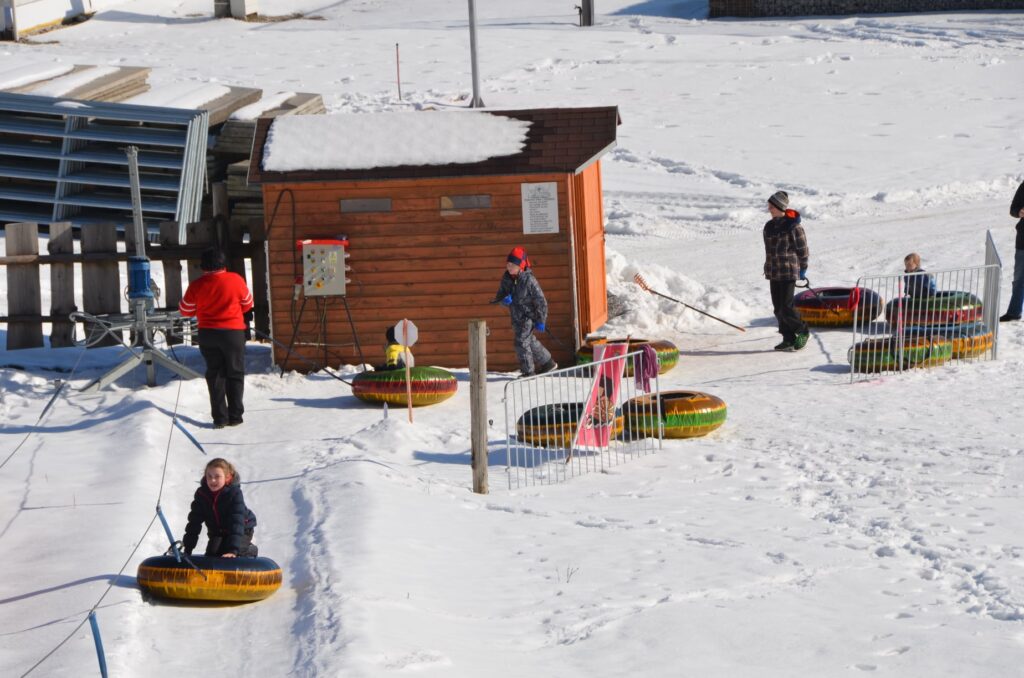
218,299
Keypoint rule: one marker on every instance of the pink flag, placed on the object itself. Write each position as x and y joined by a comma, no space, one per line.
598,421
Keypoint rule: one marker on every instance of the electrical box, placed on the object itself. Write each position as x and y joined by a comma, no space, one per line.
323,267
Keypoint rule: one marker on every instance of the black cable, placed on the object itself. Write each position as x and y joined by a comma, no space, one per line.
355,335
301,357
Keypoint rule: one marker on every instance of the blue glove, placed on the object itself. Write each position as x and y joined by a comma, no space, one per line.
507,301
803,274
541,327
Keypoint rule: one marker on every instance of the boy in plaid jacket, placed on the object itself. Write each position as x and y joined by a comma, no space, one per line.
786,256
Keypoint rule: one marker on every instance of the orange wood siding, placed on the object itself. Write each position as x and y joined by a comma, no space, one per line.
438,270
588,217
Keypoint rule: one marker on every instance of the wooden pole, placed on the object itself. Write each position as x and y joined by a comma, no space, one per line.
408,375
62,286
24,294
478,403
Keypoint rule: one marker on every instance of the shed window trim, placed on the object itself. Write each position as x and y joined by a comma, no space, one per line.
455,204
361,205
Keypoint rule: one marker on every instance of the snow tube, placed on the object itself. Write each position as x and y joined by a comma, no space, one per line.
837,306
430,385
942,308
668,354
969,340
684,414
883,355
229,580
555,425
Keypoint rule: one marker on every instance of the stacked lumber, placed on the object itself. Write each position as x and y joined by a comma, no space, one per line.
246,200
235,137
231,152
110,84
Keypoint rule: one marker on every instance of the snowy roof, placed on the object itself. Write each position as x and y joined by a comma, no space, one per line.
359,141
430,144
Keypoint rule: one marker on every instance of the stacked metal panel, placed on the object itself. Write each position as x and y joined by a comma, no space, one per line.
64,160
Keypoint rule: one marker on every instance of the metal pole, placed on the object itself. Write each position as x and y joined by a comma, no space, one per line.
587,13
133,174
398,71
98,642
478,403
477,102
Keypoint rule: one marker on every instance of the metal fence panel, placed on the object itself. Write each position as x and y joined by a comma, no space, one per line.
923,319
543,414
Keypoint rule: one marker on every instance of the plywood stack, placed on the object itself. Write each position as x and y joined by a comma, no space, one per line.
235,137
230,158
123,83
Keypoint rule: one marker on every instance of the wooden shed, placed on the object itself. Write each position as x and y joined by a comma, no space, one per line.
428,238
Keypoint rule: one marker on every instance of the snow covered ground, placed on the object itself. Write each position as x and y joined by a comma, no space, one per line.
827,529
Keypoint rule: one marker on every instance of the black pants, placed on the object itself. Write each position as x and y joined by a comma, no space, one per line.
214,547
790,323
224,352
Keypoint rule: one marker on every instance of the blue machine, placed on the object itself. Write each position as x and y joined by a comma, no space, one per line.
139,281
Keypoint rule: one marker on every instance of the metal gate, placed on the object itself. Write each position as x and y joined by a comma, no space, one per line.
544,415
924,319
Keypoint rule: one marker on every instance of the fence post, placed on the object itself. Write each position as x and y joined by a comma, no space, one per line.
101,280
478,403
172,272
200,233
258,236
62,286
24,295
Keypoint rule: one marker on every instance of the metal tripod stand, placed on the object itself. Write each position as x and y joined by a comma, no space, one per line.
142,322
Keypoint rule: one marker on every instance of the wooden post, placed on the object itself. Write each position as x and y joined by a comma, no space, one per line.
408,370
172,271
478,403
200,233
261,309
62,286
101,280
24,296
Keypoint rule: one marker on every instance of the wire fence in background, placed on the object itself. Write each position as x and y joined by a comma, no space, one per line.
547,418
924,319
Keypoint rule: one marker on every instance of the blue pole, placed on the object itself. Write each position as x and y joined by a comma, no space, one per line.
99,643
170,535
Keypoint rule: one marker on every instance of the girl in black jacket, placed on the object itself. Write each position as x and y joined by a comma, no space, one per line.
219,504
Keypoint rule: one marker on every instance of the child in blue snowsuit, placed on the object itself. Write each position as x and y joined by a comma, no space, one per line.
916,285
521,292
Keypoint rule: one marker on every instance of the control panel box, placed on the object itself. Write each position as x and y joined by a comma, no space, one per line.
323,267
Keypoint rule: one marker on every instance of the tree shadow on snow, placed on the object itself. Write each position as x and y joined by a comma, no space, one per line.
495,455
119,580
341,402
120,16
672,9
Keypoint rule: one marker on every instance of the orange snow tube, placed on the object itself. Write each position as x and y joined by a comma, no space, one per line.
227,580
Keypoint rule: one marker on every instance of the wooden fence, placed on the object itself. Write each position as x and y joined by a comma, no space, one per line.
98,268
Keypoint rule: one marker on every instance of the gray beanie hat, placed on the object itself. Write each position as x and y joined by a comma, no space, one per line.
780,199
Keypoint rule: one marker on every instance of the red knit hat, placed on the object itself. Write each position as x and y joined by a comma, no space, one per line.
518,257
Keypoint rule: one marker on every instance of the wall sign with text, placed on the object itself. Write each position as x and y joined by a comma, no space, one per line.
540,208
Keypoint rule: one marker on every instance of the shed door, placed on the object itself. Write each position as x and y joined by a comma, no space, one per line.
590,262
